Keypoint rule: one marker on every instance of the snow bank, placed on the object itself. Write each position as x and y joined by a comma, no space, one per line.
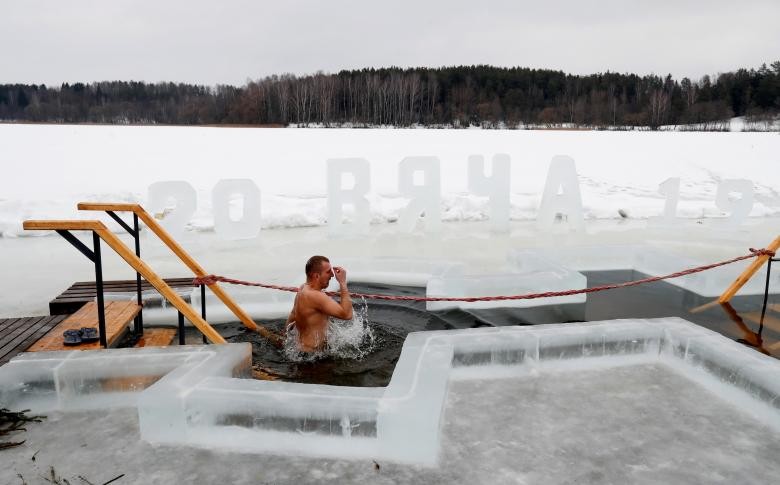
51,167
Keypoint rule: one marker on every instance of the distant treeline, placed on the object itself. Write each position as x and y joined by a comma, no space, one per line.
451,96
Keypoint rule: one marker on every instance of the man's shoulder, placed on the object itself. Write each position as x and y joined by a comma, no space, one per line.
319,295
312,294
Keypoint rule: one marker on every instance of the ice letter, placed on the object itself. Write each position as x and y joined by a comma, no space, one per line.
739,208
338,195
175,218
496,187
248,225
425,196
671,189
561,175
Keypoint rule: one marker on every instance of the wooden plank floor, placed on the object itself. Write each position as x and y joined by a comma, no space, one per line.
118,315
17,334
82,292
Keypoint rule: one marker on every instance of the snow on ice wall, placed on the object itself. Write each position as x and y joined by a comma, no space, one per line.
200,395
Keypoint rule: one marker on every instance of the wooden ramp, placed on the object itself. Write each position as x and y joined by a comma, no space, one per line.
17,334
118,315
83,292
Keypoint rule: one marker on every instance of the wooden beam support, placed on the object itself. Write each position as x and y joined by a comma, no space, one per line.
748,273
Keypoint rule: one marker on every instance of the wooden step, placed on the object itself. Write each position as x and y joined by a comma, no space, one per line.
118,315
82,292
770,322
157,337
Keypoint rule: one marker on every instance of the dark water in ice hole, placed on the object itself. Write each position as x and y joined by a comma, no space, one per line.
391,321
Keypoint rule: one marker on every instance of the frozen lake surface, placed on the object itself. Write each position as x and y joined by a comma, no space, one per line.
620,174
52,167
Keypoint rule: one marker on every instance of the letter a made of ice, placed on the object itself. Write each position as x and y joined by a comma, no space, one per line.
561,195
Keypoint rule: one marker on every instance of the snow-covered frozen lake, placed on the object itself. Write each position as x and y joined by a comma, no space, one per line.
50,168
637,408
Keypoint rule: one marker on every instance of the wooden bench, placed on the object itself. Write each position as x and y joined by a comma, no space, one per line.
118,315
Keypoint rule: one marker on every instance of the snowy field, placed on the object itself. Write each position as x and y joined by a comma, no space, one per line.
48,168
619,174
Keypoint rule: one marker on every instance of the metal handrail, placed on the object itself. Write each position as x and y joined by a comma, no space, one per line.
185,258
136,233
100,231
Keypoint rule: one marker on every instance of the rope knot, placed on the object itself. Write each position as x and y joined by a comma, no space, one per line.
762,252
205,280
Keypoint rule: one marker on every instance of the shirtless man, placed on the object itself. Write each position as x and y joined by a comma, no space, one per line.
312,307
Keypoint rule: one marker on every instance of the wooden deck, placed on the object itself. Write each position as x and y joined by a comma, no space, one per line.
17,334
82,292
118,315
75,308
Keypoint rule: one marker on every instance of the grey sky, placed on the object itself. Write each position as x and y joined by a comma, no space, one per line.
230,41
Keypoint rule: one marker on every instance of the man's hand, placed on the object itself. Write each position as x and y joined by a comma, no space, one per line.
341,276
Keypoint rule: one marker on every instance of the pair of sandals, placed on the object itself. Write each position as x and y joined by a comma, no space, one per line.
83,335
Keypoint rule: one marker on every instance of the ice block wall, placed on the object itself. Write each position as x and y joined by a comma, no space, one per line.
201,396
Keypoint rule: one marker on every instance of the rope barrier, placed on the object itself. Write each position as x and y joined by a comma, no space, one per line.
211,279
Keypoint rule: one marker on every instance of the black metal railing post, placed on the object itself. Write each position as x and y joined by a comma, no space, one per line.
94,256
138,327
766,291
181,329
99,290
139,319
203,309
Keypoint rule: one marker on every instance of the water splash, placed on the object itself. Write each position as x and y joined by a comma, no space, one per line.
346,339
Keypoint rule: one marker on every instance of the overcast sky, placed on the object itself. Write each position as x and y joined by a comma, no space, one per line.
231,41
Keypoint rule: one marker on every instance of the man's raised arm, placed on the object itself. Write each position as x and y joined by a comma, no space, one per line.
343,309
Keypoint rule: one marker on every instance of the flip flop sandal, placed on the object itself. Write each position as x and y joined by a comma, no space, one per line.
71,337
89,334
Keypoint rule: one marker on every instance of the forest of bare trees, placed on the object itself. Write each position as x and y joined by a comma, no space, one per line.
454,96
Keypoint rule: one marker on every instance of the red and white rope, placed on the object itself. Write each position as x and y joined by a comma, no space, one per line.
211,279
